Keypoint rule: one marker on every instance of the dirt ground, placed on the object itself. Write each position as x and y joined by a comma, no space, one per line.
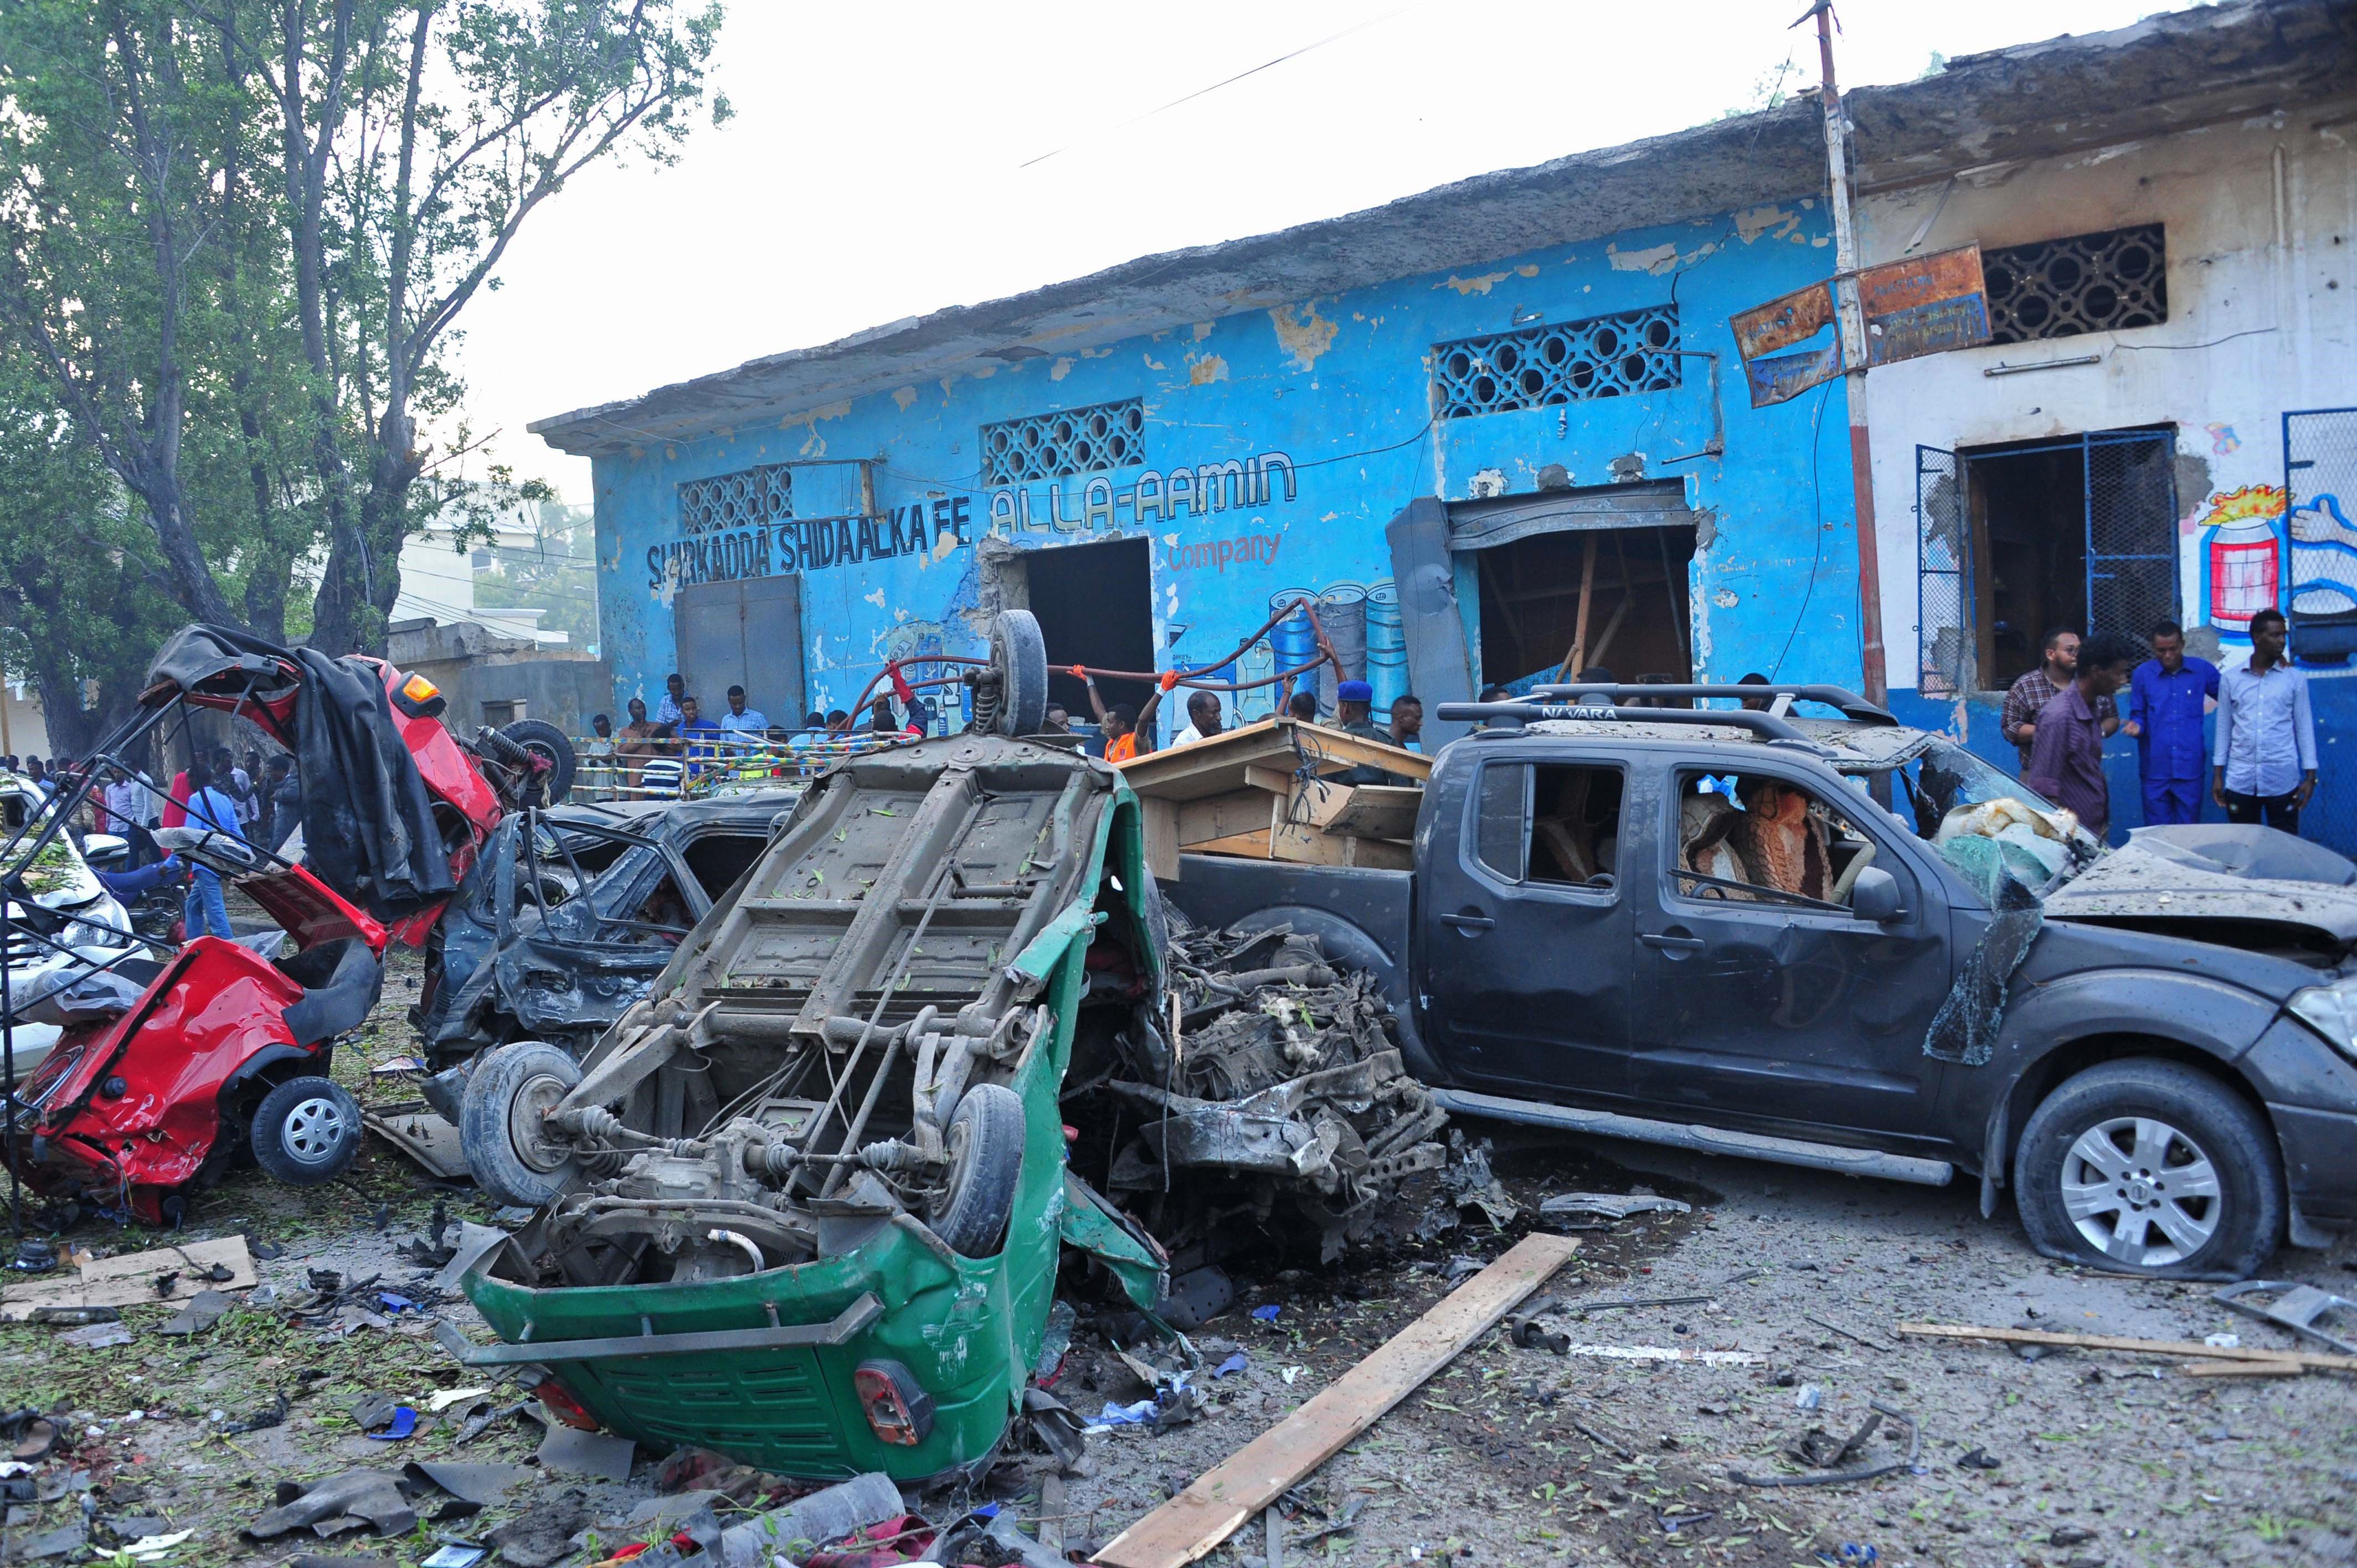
1511,1455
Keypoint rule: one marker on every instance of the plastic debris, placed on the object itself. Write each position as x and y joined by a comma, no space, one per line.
449,1397
2222,1341
401,1425
573,1451
1232,1365
1265,1314
374,1495
206,1308
156,1547
97,1337
1811,1397
455,1555
1608,1207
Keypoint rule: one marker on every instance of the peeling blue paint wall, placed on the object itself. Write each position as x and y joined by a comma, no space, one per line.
1301,430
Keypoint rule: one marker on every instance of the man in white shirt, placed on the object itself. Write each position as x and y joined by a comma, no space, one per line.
1203,713
2264,756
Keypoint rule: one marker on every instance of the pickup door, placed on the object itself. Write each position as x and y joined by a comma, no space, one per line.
1757,1006
1524,928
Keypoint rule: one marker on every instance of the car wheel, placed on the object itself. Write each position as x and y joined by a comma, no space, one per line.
985,1146
546,741
1019,654
2150,1167
499,1123
306,1131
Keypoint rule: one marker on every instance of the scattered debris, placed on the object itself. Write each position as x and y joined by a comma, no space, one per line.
128,1279
543,1536
97,1337
1978,1459
1211,1508
337,1504
1608,1207
569,1451
206,1308
1835,1328
1831,1478
2294,1306
1470,1183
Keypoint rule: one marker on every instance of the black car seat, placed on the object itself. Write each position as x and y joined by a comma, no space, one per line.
339,981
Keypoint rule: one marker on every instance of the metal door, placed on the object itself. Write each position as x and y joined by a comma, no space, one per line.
1529,983
1944,576
2131,530
749,633
2321,509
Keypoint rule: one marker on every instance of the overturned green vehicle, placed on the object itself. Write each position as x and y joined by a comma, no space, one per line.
802,1204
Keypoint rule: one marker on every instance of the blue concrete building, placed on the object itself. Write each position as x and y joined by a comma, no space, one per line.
1441,417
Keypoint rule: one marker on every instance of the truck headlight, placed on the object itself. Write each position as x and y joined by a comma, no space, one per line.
2331,1011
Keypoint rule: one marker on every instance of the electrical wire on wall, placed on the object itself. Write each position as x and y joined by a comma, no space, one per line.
1817,506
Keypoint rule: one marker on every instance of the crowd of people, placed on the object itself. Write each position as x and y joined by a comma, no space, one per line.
2258,764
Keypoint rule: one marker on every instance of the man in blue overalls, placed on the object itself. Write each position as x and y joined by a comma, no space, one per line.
2166,701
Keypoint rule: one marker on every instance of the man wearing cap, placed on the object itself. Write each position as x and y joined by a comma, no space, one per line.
1353,701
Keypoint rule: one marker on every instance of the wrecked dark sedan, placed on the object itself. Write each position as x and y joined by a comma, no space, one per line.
571,913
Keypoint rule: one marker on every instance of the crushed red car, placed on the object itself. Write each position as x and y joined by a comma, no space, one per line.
169,1071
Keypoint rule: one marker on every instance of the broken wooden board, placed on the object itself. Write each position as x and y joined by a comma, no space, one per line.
129,1279
1376,811
1221,765
1223,1498
1314,846
2195,1348
422,1134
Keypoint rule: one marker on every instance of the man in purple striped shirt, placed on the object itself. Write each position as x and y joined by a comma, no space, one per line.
2066,758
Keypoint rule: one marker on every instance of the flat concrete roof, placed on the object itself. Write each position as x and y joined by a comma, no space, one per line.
2166,72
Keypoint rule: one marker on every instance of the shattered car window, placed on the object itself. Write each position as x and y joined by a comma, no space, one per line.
1988,824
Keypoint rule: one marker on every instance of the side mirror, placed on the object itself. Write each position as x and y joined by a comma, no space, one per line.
1875,897
105,851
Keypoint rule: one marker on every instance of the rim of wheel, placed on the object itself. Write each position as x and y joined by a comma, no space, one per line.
2141,1191
314,1131
532,1102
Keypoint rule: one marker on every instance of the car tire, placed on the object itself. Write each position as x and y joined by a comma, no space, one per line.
985,1144
545,740
2094,1173
1019,654
497,1121
306,1131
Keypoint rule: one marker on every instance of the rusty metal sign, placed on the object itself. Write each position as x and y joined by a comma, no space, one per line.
1923,305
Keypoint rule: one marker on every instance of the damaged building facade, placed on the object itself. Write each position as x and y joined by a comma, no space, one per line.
1424,414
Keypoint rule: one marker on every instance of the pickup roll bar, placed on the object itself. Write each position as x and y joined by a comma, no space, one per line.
1508,718
1850,704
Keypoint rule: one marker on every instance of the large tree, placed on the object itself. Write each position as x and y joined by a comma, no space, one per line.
415,140
236,237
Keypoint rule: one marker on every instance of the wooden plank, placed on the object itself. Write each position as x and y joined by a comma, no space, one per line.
1223,1498
1221,765
1222,816
1576,660
1251,845
1382,855
1377,811
1159,821
2244,1369
129,1279
2192,1347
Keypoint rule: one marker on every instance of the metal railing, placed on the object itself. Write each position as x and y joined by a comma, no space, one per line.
708,762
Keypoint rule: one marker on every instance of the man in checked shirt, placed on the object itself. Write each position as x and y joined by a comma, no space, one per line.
2028,697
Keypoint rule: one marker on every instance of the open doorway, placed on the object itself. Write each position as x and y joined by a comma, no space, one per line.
2030,519
2076,534
1637,604
1095,606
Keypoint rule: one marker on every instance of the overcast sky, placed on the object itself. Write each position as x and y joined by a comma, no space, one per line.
881,164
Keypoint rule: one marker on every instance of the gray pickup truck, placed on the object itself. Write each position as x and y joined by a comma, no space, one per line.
1853,945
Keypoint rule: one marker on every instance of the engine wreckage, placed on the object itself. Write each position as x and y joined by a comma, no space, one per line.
825,1157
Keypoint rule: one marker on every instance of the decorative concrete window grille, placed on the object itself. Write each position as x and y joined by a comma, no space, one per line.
2088,283
746,499
1539,367
1089,440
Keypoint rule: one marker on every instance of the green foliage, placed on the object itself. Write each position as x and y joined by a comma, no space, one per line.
235,240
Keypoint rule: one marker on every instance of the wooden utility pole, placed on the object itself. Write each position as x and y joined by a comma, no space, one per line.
1851,319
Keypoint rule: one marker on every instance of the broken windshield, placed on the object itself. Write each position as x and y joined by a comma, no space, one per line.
1987,822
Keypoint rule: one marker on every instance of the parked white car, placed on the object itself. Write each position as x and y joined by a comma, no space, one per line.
45,950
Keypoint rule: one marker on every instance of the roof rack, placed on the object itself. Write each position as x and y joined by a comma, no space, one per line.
1850,704
1508,718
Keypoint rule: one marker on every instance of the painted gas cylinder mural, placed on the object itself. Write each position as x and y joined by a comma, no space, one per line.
2241,556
